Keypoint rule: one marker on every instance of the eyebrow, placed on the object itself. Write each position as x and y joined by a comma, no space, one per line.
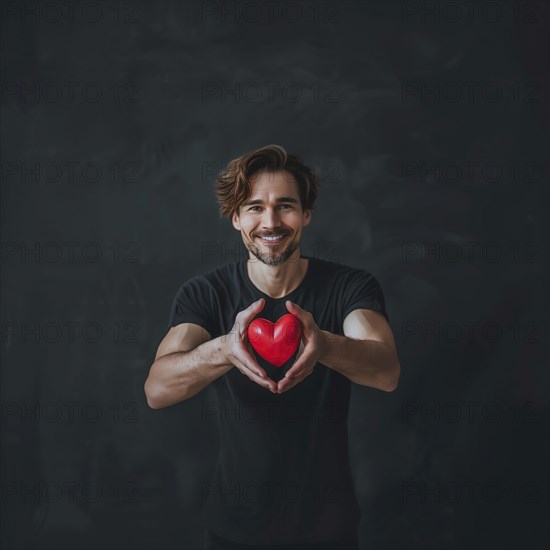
280,199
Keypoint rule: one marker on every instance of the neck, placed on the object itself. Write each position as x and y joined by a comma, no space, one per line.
278,280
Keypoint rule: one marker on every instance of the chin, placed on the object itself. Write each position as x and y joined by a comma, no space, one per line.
278,258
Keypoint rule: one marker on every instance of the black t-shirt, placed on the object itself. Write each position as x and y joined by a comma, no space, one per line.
283,474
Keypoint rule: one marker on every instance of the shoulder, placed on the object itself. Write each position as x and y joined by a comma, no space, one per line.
213,278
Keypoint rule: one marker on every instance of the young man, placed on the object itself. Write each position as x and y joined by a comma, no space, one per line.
283,477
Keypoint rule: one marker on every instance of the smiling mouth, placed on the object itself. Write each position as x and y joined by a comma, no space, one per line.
272,240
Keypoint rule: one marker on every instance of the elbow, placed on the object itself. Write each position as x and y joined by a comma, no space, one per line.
159,397
392,382
153,397
153,404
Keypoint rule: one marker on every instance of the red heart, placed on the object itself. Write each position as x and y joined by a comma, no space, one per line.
276,342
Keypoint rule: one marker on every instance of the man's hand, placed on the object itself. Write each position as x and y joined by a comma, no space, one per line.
311,352
238,348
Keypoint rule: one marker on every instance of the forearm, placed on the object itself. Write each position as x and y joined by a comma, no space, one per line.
365,362
178,376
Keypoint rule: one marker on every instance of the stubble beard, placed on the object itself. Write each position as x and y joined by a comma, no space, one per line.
273,257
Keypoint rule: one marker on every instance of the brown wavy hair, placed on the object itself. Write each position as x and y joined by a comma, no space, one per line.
233,183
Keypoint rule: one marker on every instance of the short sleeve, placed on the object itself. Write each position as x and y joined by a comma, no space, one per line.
363,291
195,303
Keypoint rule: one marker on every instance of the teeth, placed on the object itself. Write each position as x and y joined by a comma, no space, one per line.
272,238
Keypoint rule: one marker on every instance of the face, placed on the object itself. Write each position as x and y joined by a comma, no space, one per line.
272,210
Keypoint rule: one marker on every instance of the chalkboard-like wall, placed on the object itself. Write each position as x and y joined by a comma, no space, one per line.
428,123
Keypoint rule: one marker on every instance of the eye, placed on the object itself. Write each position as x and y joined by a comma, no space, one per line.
285,206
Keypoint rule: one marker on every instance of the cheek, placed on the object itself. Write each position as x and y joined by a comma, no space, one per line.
246,227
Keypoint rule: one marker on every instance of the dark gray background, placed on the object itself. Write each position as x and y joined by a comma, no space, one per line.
457,456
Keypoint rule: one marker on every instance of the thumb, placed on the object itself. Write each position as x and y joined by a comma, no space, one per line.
254,307
294,308
249,313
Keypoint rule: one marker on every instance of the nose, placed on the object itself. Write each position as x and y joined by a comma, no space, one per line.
271,218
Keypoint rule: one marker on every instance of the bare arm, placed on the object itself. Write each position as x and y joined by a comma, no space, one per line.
188,360
366,354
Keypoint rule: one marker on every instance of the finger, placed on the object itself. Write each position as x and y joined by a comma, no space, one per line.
285,386
304,316
287,383
248,359
269,385
299,364
258,305
294,308
264,382
303,364
244,318
252,310
300,350
249,353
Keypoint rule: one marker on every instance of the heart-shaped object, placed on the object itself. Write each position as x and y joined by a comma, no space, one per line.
276,342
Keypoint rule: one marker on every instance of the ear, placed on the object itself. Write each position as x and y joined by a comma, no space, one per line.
307,217
236,221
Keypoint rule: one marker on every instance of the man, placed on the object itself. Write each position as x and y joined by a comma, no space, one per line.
283,477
